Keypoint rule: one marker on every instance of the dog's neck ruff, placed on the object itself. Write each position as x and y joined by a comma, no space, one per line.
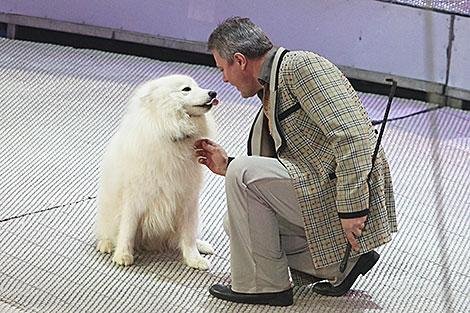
184,137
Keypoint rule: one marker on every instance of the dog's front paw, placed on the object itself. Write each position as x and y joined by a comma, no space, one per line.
123,258
198,263
105,246
204,247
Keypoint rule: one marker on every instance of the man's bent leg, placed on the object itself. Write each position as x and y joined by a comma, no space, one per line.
254,185
267,231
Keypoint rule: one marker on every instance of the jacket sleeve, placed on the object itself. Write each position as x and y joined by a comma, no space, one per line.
334,107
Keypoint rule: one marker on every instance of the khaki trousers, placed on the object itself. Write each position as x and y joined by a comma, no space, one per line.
265,227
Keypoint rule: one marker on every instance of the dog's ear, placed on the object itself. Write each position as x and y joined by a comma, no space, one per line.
154,95
146,99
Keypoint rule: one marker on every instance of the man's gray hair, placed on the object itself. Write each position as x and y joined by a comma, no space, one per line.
241,35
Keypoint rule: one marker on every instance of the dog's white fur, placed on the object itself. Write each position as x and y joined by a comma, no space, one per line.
150,181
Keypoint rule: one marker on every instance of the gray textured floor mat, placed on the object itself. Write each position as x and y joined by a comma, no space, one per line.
59,106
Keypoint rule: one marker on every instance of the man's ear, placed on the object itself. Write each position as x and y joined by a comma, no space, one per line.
240,60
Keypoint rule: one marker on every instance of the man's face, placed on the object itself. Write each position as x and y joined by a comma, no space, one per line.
238,74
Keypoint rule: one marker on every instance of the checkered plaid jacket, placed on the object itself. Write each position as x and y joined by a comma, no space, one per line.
324,137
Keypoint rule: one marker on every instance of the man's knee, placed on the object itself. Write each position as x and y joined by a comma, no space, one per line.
237,169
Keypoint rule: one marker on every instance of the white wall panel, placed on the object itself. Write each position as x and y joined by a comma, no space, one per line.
362,34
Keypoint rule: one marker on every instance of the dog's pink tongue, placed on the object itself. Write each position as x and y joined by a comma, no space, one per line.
214,102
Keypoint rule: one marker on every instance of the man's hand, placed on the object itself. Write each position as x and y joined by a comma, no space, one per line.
212,155
353,227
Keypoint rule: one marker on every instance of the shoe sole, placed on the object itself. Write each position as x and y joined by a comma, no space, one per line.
365,268
275,301
344,288
374,258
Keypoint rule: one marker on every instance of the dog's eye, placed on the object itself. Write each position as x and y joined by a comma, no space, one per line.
187,89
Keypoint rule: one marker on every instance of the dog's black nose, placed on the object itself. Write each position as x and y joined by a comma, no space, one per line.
212,94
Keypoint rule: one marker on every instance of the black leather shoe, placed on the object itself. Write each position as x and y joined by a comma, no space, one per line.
363,265
283,298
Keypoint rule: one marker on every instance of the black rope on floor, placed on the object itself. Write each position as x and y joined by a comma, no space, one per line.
45,210
377,122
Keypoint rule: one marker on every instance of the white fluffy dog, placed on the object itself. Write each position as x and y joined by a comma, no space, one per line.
148,195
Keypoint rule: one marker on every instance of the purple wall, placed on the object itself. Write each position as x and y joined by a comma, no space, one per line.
363,34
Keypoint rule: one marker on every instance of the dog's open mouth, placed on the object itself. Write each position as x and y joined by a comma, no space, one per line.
214,101
209,104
